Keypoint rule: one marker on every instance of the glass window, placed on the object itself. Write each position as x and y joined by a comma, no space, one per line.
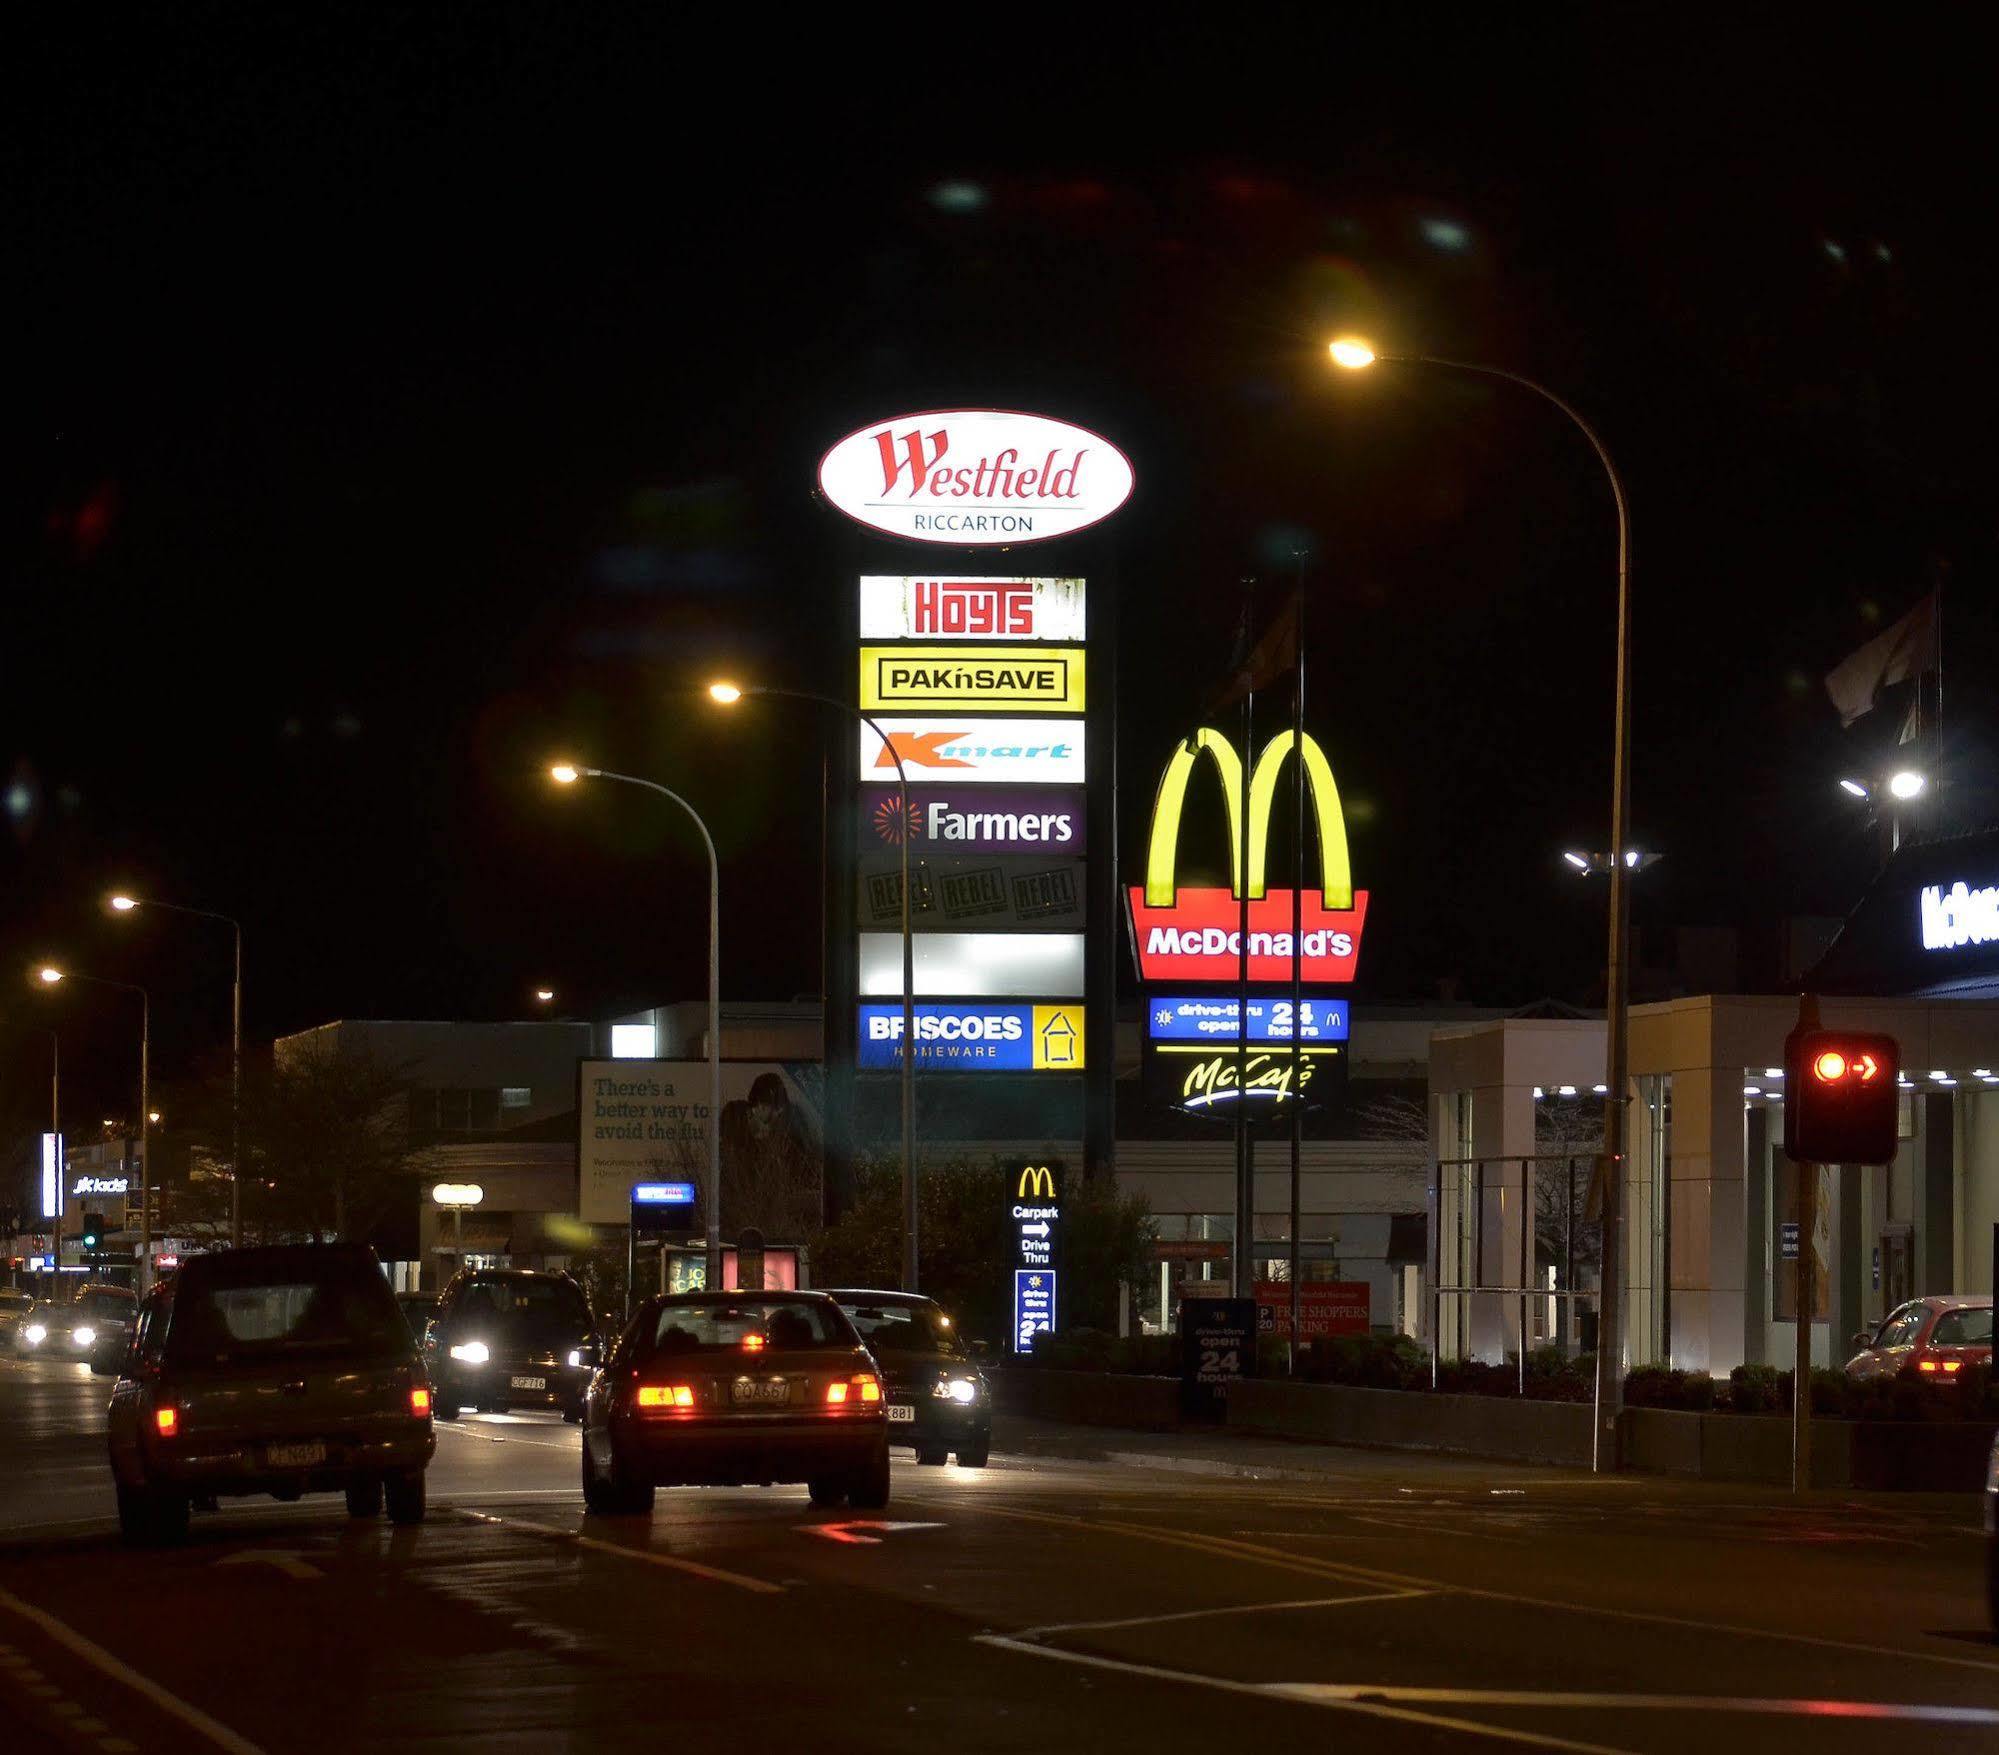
516,1310
748,1325
1900,1329
905,1328
482,1110
1963,1328
269,1304
516,1096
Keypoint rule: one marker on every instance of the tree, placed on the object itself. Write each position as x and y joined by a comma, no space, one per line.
966,1243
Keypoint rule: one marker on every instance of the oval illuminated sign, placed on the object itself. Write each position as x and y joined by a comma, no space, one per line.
975,476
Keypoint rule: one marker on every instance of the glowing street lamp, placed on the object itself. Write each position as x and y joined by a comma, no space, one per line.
1352,353
727,694
50,975
567,774
124,903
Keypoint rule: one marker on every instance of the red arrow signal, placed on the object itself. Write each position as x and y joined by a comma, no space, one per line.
1867,1067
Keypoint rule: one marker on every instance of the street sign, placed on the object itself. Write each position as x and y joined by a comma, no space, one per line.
1217,1348
662,1206
1787,1240
1034,1214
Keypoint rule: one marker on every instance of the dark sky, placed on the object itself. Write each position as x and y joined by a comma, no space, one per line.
401,396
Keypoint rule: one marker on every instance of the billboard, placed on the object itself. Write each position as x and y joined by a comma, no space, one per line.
1325,1307
974,1037
894,608
970,751
994,819
1217,1081
1007,893
648,1121
983,963
1045,679
975,475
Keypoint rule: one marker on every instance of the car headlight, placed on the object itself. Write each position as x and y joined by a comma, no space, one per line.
36,1334
82,1337
957,1389
471,1352
576,1355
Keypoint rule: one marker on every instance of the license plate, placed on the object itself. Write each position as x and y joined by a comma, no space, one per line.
899,1412
294,1456
746,1391
530,1382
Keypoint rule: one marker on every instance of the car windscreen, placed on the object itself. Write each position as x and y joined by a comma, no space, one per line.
117,1305
905,1328
1963,1328
280,1308
528,1314
767,1325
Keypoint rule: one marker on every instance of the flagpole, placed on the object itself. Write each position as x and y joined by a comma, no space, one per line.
1297,942
1245,1152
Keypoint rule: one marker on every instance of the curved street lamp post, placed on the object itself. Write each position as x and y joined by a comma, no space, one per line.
728,694
1354,354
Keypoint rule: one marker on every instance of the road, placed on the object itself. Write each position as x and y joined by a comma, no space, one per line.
1041,1604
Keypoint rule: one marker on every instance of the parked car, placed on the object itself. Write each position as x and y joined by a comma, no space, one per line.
16,1309
71,1331
742,1389
1935,1338
284,1370
938,1401
1992,1533
511,1338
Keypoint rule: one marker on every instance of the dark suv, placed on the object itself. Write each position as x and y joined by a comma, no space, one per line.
511,1338
282,1371
938,1402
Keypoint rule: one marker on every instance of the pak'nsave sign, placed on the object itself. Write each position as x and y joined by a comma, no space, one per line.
976,1038
1048,679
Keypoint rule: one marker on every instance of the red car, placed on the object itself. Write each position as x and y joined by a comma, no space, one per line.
1933,1338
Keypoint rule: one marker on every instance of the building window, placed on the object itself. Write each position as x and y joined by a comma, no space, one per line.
515,1096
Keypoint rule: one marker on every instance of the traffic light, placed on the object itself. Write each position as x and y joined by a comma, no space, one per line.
93,1230
1841,1103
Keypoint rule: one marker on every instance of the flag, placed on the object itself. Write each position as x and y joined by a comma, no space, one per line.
1273,659
1905,651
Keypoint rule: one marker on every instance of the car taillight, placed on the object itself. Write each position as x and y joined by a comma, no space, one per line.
662,1398
862,1389
753,1343
420,1402
166,1420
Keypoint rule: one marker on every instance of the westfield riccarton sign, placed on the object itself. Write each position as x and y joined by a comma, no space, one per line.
971,476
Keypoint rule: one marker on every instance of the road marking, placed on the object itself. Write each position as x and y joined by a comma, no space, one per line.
1258,1555
1264,1691
119,1671
287,1560
854,1530
1841,1709
1204,1614
715,1574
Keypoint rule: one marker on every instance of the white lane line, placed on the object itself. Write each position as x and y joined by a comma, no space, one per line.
1263,1691
1391,1596
715,1574
1822,1709
99,1659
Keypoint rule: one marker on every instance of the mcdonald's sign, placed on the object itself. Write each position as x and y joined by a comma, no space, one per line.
1186,933
1036,1182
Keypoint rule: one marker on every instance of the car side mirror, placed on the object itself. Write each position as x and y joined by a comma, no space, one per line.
1863,1340
108,1361
981,1351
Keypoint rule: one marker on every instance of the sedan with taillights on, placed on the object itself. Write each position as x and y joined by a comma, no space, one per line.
736,1389
1933,1339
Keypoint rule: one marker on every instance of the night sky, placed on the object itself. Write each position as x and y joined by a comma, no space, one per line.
397,400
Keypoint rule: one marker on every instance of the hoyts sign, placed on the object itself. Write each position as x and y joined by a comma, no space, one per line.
1181,933
970,476
898,608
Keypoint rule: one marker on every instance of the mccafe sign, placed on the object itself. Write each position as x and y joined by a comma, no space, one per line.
976,475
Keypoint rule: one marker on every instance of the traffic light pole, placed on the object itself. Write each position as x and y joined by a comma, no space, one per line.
1801,1374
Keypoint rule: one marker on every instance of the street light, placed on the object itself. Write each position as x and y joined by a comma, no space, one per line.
50,976
544,996
727,694
567,774
1354,354
454,1198
126,904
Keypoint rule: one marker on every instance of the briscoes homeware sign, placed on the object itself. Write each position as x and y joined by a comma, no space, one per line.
975,475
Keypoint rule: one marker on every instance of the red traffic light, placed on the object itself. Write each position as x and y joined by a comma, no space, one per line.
1841,1105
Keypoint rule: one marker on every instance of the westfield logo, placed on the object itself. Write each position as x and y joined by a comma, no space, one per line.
995,477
